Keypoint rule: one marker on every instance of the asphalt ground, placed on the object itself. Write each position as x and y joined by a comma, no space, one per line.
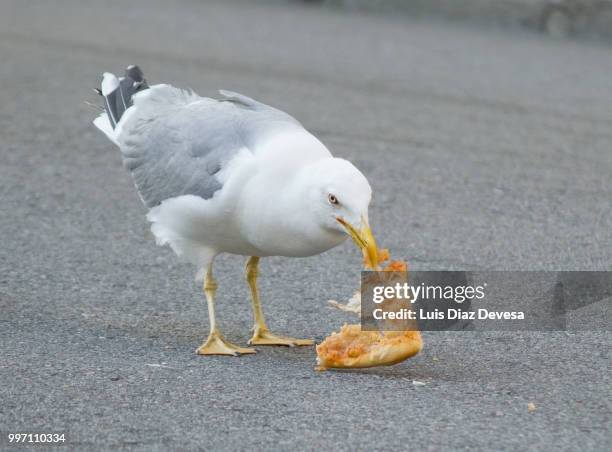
485,149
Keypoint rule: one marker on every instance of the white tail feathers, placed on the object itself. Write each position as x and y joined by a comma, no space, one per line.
102,123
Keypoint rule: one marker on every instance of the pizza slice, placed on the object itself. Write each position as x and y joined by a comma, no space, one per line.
354,348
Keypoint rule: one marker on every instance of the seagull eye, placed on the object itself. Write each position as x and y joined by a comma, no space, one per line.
333,200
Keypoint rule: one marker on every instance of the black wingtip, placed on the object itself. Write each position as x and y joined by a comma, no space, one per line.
135,73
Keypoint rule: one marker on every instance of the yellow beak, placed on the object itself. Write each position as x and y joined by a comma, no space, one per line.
364,239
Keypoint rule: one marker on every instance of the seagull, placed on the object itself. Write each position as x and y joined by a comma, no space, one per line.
232,175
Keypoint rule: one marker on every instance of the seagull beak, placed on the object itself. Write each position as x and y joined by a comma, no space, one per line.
363,238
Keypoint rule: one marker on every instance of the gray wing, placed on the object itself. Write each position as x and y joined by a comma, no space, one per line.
174,142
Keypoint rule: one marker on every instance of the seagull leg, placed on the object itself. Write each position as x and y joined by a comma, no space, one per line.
261,333
216,344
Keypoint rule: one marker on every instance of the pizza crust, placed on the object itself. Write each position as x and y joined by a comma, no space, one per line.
353,348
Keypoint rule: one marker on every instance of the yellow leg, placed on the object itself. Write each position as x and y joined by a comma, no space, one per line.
261,333
216,344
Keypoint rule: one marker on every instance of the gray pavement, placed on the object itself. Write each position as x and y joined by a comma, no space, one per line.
590,19
485,150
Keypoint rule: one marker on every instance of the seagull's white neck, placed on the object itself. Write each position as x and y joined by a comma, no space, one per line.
286,226
276,214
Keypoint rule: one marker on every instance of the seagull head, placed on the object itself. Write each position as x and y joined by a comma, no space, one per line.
338,196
